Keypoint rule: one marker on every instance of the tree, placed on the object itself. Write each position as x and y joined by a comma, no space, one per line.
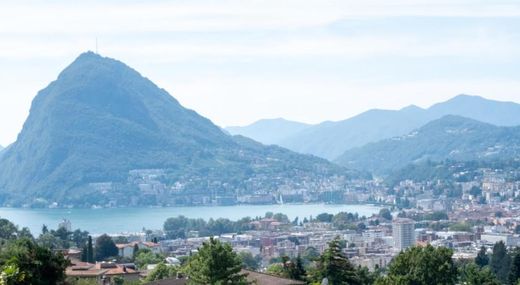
472,274
385,214
48,240
324,218
514,272
105,248
118,280
343,220
482,258
90,250
295,269
79,238
120,240
310,254
365,276
145,257
136,250
161,271
8,231
175,227
277,269
335,266
249,261
421,266
11,275
282,218
500,262
215,263
25,260
475,191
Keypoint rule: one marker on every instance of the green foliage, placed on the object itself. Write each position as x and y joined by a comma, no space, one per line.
135,251
25,262
118,280
436,141
9,231
282,218
421,266
472,274
179,227
310,254
120,240
105,248
324,218
295,269
90,250
366,277
287,268
62,239
145,257
514,273
215,263
277,269
335,266
500,262
475,191
343,220
162,271
11,275
385,214
482,259
249,261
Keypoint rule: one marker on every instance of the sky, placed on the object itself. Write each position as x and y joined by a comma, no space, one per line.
237,61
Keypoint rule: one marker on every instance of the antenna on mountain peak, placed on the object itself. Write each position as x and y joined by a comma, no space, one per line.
96,46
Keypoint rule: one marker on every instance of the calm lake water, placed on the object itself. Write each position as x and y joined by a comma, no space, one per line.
119,220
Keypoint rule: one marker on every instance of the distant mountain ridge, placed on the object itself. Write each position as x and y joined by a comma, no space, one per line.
269,131
102,134
450,137
331,139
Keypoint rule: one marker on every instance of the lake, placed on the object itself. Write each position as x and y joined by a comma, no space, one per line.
124,220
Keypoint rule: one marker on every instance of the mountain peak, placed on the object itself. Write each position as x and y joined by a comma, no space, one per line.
412,108
90,64
454,121
101,122
467,97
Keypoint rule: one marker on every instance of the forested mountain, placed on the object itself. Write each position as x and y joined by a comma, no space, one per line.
451,137
331,139
269,131
101,133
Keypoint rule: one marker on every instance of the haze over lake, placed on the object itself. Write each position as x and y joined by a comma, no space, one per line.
118,220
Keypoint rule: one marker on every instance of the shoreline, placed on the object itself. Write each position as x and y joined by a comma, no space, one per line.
198,206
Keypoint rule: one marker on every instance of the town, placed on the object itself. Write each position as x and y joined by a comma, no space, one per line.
469,217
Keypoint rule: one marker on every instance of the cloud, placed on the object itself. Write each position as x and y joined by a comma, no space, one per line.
236,61
108,17
314,100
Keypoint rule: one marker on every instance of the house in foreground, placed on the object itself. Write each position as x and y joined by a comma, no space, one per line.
103,273
127,249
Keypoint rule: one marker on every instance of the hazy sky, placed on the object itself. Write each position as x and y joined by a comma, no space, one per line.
238,61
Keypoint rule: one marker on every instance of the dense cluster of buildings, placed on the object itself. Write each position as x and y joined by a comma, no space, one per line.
463,215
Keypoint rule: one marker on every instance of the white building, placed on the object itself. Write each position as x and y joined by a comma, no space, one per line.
403,232
127,250
65,224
